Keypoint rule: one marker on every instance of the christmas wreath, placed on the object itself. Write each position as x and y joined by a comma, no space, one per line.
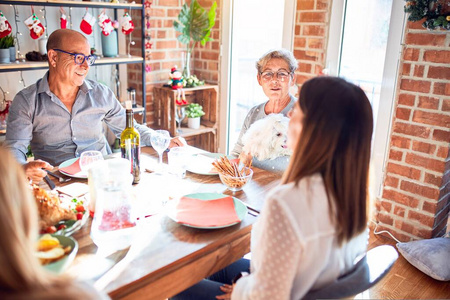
436,12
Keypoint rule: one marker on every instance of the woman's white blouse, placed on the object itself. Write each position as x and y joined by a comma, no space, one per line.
293,245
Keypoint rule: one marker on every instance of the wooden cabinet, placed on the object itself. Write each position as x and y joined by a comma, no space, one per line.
207,96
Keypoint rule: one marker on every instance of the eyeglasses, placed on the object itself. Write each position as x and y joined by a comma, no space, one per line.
80,58
281,75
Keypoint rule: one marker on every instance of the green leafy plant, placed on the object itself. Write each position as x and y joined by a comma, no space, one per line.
433,10
7,42
192,81
194,24
194,110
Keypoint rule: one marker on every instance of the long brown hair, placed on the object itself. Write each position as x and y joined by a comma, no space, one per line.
335,141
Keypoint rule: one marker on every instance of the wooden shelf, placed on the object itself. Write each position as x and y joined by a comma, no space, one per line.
207,96
72,3
39,65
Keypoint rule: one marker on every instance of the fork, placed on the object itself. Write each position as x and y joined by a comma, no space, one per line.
61,179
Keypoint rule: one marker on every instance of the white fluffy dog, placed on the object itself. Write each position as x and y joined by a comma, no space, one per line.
266,138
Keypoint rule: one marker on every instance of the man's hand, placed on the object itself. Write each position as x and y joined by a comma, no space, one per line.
177,142
33,170
227,289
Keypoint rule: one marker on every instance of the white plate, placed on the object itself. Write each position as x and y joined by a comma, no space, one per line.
202,163
239,206
67,163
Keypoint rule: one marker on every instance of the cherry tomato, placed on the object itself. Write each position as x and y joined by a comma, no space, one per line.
50,229
62,226
80,208
79,216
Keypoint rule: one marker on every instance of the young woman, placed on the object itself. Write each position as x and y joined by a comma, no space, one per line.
21,275
312,226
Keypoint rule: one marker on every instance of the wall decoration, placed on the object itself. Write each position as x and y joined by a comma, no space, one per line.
436,12
34,25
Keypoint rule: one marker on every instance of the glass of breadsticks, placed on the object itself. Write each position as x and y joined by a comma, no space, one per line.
233,177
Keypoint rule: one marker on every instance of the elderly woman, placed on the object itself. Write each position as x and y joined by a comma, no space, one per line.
276,74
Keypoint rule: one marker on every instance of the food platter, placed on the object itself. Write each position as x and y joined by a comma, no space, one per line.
201,163
61,264
69,162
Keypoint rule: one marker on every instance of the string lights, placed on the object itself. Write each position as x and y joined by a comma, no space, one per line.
20,56
70,17
22,81
44,17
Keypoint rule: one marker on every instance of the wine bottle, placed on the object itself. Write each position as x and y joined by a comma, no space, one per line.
129,145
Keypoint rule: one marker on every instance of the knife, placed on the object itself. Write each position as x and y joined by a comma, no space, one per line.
49,182
254,210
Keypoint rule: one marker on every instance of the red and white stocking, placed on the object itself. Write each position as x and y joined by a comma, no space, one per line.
35,26
63,19
127,24
87,22
105,23
5,27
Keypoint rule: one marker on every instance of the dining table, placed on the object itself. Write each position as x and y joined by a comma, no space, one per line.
166,257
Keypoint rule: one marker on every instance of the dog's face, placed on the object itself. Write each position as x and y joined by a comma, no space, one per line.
279,136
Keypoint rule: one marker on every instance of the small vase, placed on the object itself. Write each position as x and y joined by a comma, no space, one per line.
42,46
109,44
5,57
194,123
12,54
186,64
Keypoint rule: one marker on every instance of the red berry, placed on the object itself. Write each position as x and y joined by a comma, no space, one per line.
62,226
79,216
80,208
51,229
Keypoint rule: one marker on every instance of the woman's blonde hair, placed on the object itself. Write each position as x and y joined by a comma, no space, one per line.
335,141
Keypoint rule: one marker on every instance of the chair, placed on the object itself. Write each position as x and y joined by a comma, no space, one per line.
367,272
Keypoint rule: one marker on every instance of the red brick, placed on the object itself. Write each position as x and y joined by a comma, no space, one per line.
318,70
386,219
418,70
441,135
315,43
395,155
385,206
412,130
433,179
398,235
425,39
210,55
441,88
165,45
442,152
420,86
167,24
305,5
157,12
406,69
429,206
400,198
442,120
404,226
439,72
391,181
406,99
313,30
173,12
399,211
318,17
299,42
437,56
213,66
423,219
400,142
446,105
428,102
322,4
171,3
405,171
158,55
304,67
161,34
306,55
424,191
423,147
411,54
403,113
297,29
426,162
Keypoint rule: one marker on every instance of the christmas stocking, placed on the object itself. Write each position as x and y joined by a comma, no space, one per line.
5,27
127,24
87,23
63,19
105,23
35,26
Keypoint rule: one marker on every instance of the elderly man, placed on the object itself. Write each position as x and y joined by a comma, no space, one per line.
62,114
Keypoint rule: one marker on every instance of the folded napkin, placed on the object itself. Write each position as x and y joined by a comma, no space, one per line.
72,169
75,189
206,213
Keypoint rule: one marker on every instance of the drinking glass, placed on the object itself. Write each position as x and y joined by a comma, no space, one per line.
178,159
160,141
180,113
88,158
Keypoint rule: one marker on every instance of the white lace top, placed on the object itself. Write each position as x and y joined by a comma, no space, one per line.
293,245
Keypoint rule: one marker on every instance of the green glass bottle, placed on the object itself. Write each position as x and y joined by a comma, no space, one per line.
130,146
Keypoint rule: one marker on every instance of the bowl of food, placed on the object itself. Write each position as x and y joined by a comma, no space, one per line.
56,252
235,182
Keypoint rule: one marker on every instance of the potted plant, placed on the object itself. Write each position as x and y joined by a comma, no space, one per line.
6,43
194,24
194,111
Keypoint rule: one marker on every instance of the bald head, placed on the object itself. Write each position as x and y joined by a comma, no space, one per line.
61,37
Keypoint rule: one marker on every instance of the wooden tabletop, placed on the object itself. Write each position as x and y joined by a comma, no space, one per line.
167,257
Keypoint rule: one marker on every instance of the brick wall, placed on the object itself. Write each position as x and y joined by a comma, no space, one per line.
166,51
415,199
310,37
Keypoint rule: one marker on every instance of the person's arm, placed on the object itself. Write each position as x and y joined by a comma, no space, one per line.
276,252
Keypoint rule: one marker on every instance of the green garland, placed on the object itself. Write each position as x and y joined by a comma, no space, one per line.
432,10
